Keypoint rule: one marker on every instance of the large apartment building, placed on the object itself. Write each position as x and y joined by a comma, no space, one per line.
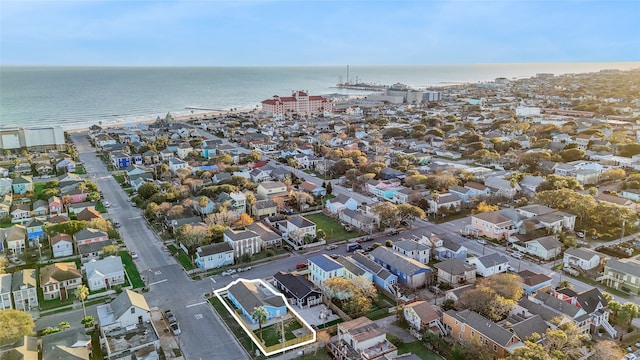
299,103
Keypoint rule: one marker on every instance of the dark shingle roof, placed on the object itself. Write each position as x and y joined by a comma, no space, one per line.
483,325
297,285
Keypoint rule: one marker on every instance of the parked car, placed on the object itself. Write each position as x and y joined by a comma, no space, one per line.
116,224
302,266
482,241
369,248
45,176
517,255
244,269
580,234
169,317
510,268
368,238
134,255
332,247
434,289
334,256
175,328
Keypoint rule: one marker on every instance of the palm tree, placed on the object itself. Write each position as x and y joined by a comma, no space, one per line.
81,293
259,315
564,284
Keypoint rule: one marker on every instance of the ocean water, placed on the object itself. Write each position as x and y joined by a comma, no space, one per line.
77,97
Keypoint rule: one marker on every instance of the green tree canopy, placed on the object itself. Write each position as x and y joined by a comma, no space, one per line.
15,324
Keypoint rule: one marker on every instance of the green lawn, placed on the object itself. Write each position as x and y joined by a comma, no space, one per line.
321,354
37,189
333,229
183,258
54,303
418,349
271,334
96,351
80,170
132,270
100,207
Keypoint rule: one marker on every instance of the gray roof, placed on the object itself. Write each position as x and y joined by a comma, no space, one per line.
528,327
111,312
300,222
251,295
371,266
69,345
264,204
537,209
626,266
266,234
240,235
89,233
404,264
484,326
585,254
93,247
492,260
557,304
548,242
26,277
454,266
213,249
410,245
325,262
109,265
5,283
351,266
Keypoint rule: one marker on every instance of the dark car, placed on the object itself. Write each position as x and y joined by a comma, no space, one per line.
302,266
368,238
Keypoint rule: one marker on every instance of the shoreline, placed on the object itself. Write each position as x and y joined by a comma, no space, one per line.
181,116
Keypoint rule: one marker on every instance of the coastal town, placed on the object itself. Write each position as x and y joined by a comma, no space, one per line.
492,220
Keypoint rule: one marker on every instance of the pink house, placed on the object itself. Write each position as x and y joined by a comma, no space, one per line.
372,185
88,236
76,196
493,225
55,206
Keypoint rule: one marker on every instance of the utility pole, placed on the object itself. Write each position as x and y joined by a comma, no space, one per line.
624,222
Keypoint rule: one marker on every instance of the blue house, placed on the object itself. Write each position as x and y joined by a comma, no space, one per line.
322,267
410,272
247,295
532,282
381,276
463,193
120,159
22,184
447,249
35,232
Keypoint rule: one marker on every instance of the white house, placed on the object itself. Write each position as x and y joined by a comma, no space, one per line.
129,308
546,247
24,289
243,242
583,258
176,164
296,228
61,245
413,249
5,292
490,264
102,274
214,256
421,315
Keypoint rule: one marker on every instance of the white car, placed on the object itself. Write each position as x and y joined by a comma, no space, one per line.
510,268
134,255
482,241
580,234
517,255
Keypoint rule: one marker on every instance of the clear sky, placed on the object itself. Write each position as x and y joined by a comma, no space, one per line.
312,32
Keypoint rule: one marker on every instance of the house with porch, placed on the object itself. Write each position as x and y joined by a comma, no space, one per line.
23,184
361,338
359,219
410,272
468,326
20,213
455,271
214,255
492,224
247,295
15,238
489,264
381,276
58,280
322,267
243,242
104,273
622,274
35,231
421,316
271,189
413,250
532,282
5,293
297,229
340,202
264,208
128,309
24,289
270,238
297,289
545,248
582,258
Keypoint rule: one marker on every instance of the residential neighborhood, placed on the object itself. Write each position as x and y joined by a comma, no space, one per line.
482,224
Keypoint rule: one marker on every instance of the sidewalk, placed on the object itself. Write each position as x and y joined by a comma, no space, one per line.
168,342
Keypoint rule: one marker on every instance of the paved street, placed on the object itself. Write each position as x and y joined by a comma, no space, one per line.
203,333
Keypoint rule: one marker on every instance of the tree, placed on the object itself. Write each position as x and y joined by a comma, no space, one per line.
614,306
355,297
69,227
530,351
388,214
244,220
81,293
410,212
259,315
3,264
110,250
15,324
192,236
484,207
565,342
606,350
217,232
505,284
329,188
493,296
628,312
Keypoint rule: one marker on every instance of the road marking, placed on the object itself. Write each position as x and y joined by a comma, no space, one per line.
212,279
135,218
198,316
158,282
158,273
196,304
